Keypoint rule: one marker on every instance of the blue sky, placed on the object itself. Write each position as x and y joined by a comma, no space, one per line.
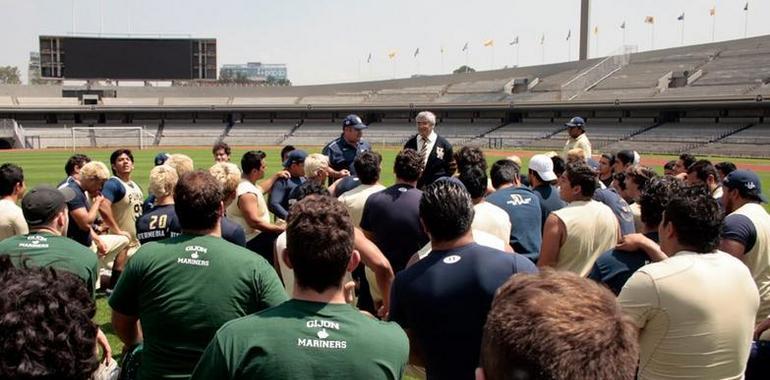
325,41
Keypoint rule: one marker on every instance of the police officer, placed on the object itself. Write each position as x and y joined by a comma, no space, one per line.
343,150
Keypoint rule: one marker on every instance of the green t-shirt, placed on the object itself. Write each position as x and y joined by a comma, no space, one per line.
46,249
185,288
306,340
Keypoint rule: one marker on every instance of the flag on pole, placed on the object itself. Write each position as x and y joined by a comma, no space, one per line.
569,34
515,41
417,51
369,59
746,7
442,50
681,17
596,30
489,43
392,54
649,20
465,47
542,39
623,25
713,11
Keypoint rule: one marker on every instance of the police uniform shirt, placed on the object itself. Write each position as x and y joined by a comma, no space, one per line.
341,154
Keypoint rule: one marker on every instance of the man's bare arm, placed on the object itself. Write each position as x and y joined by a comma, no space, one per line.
127,328
250,210
554,233
379,264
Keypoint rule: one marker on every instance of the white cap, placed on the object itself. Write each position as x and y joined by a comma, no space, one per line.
637,158
543,165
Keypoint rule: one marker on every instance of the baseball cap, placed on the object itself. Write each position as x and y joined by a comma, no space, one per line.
295,156
576,121
43,202
354,121
746,182
543,166
161,158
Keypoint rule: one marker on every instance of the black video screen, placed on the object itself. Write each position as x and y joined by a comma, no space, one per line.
127,58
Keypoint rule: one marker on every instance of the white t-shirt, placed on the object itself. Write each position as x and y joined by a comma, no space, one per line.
493,220
235,214
12,220
355,200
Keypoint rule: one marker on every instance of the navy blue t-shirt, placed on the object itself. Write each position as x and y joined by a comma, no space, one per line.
159,223
393,216
549,201
341,154
444,300
613,268
346,184
148,204
619,207
232,232
523,208
113,190
741,229
279,195
79,201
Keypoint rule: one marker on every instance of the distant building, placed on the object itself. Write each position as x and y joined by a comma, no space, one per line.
254,71
33,71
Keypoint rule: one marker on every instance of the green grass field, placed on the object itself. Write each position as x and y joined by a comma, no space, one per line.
47,166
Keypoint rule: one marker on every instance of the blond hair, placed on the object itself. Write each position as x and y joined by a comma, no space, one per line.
576,154
515,159
95,170
315,162
228,175
163,179
182,163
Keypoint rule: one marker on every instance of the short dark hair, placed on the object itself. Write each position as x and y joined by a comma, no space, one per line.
641,175
114,157
558,165
655,198
286,149
625,157
475,181
610,157
470,156
307,188
446,210
75,160
687,159
408,165
620,178
221,145
197,198
696,217
670,165
10,176
725,168
319,240
503,171
580,174
367,165
46,319
556,325
702,170
252,160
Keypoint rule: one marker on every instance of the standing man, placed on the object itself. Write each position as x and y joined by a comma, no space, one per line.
542,180
122,205
229,176
249,209
300,338
577,137
343,150
521,205
442,301
160,222
576,235
72,168
746,232
606,168
183,289
434,150
279,194
221,152
12,189
695,310
367,166
703,173
683,163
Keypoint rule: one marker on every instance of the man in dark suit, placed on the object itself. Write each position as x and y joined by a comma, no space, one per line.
436,151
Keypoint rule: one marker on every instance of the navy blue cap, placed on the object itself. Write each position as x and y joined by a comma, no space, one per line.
747,183
576,121
354,121
295,156
161,158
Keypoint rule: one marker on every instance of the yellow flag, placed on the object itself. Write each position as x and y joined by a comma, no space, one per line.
713,11
392,54
489,43
649,20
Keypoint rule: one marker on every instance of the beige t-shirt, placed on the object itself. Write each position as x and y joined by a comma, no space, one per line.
12,220
129,208
696,315
235,214
355,200
591,229
636,210
581,142
758,258
492,220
